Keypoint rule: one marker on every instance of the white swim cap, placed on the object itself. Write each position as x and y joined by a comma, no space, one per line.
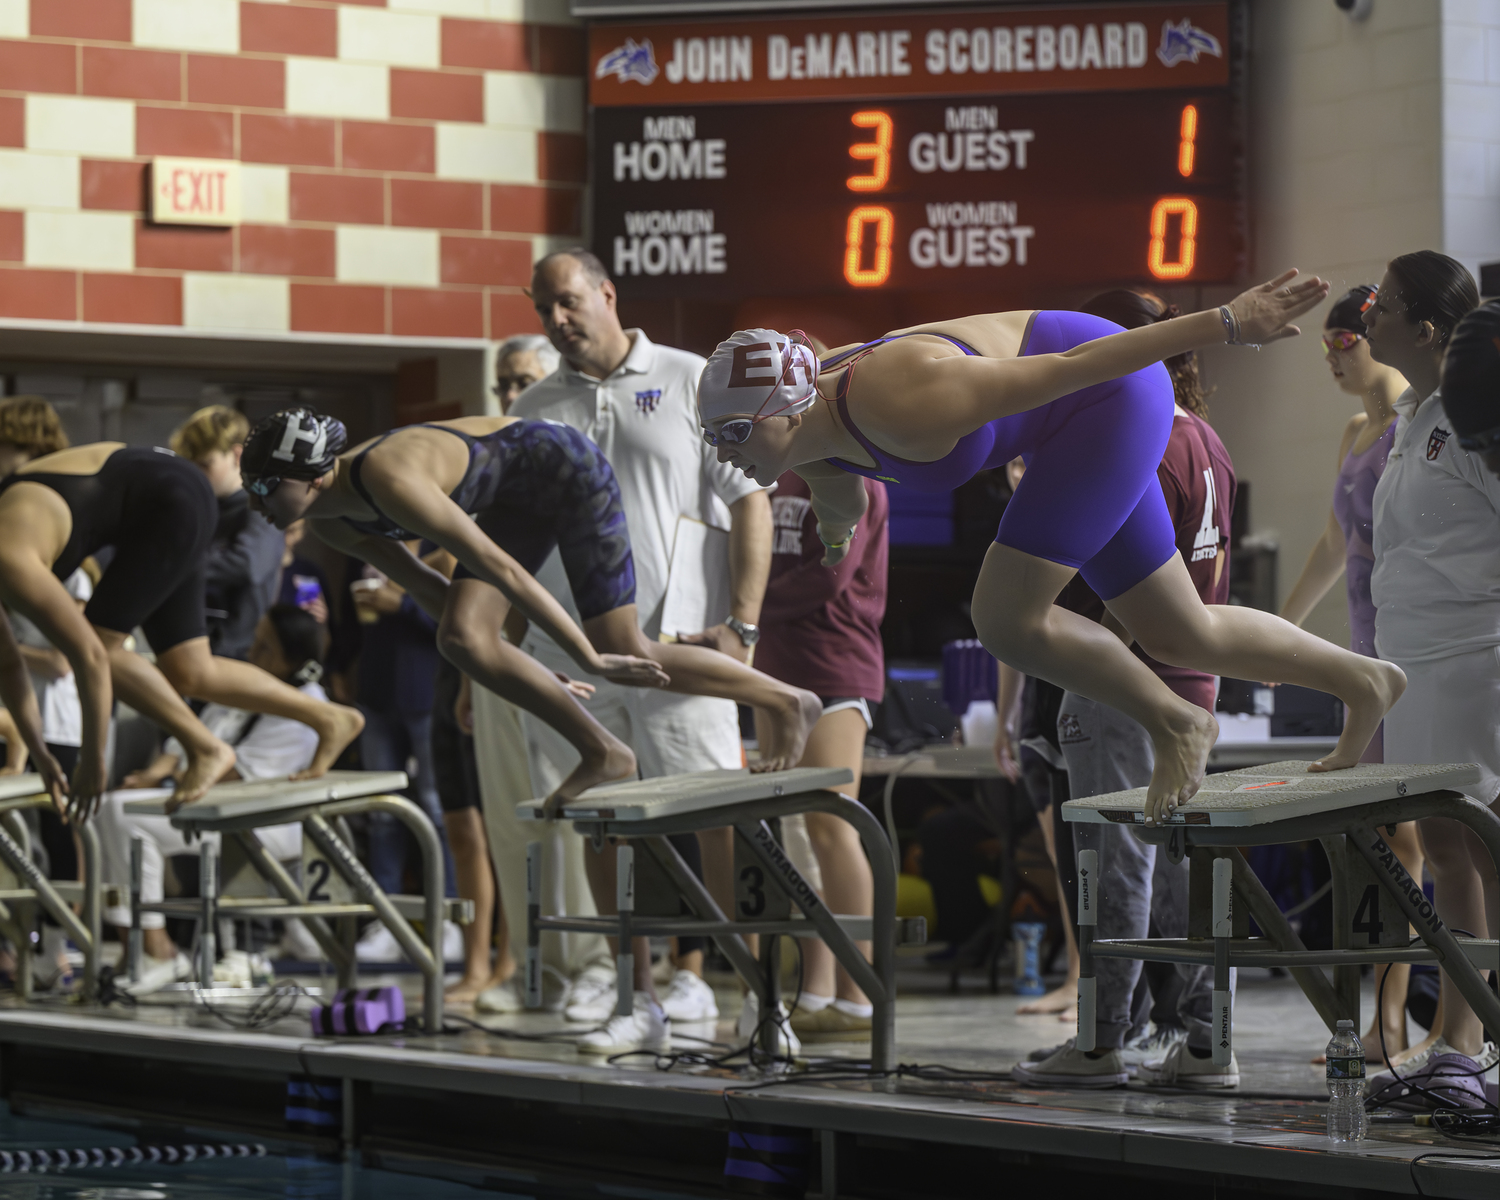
761,372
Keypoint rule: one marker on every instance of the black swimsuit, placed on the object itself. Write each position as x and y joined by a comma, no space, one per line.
159,513
532,486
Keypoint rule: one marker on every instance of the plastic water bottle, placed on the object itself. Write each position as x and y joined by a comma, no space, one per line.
1028,935
1346,1086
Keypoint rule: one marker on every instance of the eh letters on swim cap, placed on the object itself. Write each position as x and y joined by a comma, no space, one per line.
296,443
741,372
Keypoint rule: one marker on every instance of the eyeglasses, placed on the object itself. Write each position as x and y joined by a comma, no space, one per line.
262,485
1341,339
737,432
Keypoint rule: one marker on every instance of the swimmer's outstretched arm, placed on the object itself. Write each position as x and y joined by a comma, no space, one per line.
31,589
839,500
421,506
961,393
20,700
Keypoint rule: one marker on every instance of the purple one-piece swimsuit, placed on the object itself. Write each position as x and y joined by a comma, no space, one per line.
1353,500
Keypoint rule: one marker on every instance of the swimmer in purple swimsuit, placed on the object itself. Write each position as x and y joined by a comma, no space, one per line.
1089,407
500,494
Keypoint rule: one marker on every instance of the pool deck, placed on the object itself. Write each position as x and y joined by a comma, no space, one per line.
1268,1134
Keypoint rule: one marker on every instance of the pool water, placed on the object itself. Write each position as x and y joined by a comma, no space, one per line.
276,1175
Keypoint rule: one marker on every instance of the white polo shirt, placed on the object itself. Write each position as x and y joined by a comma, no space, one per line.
1436,583
644,417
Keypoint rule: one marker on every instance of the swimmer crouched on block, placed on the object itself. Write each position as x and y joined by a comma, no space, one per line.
1089,406
159,513
499,494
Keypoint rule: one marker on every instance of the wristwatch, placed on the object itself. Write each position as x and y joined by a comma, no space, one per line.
749,634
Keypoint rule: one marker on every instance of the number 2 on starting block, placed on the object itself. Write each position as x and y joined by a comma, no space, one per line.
321,881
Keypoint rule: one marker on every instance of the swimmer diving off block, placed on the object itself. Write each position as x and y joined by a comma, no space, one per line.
1089,408
500,494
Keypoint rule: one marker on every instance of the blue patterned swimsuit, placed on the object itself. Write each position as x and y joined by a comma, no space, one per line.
533,486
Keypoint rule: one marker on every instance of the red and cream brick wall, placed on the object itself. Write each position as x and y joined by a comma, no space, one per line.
399,158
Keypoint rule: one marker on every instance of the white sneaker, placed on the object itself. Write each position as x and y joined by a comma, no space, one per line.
593,995
689,999
157,973
378,945
788,1044
1069,1066
239,969
510,996
1181,1068
298,944
646,1028
1151,1045
453,943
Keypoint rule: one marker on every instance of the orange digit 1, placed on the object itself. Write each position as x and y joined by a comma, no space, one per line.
1187,145
1187,245
854,237
878,151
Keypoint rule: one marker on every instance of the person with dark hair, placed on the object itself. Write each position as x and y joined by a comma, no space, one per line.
158,512
288,646
1437,616
1346,548
1471,384
1106,751
1090,406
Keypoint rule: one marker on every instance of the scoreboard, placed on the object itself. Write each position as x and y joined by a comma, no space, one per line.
933,151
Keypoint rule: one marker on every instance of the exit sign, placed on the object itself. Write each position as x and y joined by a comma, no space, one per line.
195,191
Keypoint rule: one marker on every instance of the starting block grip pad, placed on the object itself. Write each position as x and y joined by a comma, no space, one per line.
1279,792
17,787
691,792
268,797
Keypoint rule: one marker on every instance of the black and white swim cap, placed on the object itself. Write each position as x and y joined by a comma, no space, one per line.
296,443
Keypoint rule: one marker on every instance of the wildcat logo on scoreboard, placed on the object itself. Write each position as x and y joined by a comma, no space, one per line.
1079,47
631,62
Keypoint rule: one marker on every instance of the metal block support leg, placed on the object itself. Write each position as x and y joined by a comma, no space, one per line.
207,934
625,952
133,944
533,930
1088,918
1223,1043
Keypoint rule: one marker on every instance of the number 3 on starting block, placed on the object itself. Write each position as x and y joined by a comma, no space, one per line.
321,881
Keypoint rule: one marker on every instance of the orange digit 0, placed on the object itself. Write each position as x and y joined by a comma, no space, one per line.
1187,245
885,231
877,151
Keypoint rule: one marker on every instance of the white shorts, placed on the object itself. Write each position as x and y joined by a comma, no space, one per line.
1450,713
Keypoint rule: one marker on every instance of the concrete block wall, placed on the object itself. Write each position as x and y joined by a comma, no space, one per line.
1471,131
400,160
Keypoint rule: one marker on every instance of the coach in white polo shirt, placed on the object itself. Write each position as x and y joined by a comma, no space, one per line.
638,402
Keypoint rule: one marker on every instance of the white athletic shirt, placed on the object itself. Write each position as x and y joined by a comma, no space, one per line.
62,713
272,747
1436,582
645,419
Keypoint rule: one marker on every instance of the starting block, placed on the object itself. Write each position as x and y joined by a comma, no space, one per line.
23,887
336,888
1284,802
648,811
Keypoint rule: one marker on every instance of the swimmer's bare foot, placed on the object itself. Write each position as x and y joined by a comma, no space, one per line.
1181,761
1382,686
1062,1000
339,725
204,769
788,728
612,760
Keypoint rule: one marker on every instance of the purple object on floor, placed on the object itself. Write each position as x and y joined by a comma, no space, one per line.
359,1010
1447,1081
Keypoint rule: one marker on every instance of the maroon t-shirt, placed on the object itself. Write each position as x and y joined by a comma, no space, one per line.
1197,479
820,626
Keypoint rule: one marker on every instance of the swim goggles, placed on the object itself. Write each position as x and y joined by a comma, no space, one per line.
262,486
1483,442
1341,339
738,431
